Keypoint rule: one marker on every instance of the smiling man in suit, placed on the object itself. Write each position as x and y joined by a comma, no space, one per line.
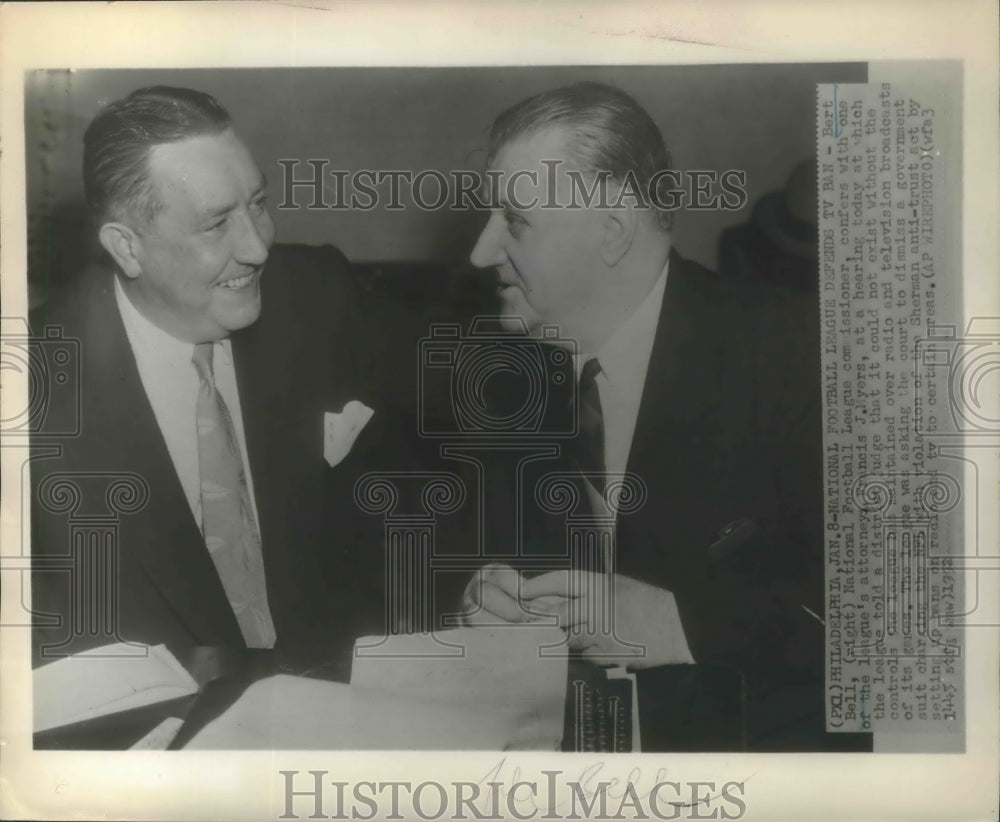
208,362
705,390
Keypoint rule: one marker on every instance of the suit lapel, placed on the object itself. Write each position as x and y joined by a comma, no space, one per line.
284,388
679,406
164,537
257,429
681,386
285,384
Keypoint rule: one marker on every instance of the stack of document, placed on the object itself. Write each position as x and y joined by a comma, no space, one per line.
283,712
501,670
497,692
106,680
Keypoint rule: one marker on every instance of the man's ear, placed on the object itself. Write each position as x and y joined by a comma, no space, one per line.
123,244
619,229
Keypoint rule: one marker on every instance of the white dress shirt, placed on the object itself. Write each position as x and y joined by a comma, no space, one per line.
171,382
624,358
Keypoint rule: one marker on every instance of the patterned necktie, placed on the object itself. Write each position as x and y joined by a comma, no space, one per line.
226,513
590,442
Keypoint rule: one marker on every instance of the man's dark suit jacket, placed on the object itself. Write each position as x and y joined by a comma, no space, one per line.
729,436
317,344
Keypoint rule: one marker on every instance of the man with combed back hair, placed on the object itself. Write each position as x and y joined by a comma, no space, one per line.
209,359
706,390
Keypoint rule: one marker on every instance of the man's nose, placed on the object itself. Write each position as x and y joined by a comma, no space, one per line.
254,240
489,248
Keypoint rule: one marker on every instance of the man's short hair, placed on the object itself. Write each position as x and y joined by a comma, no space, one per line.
117,143
607,131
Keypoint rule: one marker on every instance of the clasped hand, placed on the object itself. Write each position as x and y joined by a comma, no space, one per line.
617,620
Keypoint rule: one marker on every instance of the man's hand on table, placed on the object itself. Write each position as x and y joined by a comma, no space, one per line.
643,614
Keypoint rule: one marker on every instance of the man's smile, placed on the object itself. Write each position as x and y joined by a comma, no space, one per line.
241,282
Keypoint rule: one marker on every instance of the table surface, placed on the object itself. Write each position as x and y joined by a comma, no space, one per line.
681,707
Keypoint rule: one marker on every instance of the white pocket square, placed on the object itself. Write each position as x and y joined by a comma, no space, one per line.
341,430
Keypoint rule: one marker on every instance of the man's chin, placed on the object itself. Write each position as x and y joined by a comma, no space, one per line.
516,315
240,317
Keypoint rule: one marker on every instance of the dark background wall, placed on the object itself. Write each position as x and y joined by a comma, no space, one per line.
759,118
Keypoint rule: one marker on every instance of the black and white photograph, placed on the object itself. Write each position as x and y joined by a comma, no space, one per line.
386,422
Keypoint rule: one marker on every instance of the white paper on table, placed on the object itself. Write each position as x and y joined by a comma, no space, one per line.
104,681
289,712
161,736
501,670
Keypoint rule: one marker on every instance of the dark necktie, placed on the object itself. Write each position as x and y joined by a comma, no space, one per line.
226,513
590,442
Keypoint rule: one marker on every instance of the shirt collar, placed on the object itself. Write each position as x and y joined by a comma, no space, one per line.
155,343
625,354
146,334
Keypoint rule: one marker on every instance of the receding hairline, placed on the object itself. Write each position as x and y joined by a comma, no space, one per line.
605,131
563,130
120,140
154,203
